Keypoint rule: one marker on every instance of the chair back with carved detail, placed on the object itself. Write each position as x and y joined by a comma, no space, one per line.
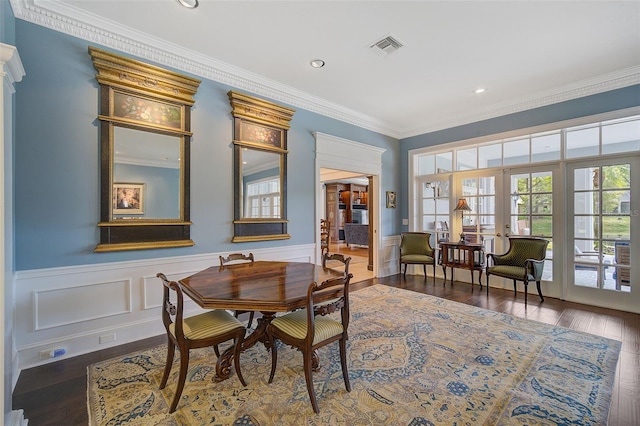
208,329
325,238
307,331
239,258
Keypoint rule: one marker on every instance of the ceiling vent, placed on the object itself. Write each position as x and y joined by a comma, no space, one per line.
386,45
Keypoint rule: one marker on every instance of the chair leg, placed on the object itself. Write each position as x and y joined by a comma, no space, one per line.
405,271
424,268
539,291
236,356
216,350
171,350
308,376
515,290
274,357
526,291
184,366
434,273
343,361
250,319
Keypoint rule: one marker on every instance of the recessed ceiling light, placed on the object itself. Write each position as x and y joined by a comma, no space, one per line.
317,63
189,4
479,90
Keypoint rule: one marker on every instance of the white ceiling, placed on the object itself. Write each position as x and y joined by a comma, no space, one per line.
525,53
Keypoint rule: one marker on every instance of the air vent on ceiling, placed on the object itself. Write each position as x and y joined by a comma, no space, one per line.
386,45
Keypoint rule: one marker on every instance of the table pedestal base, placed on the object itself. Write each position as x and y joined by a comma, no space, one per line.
223,365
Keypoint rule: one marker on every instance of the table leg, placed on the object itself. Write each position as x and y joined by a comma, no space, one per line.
223,366
444,270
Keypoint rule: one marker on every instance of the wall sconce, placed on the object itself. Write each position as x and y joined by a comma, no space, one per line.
462,207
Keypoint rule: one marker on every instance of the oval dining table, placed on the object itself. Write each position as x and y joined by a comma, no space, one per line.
267,287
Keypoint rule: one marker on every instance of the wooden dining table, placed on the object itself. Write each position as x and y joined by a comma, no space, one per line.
267,287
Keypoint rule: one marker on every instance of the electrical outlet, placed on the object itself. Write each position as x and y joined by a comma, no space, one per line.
405,221
106,338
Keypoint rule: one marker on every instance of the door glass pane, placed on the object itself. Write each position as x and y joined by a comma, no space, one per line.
602,226
531,210
435,208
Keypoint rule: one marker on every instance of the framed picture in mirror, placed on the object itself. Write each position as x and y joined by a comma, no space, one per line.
128,198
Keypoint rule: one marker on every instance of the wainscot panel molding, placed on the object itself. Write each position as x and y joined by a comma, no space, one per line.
388,255
85,308
57,307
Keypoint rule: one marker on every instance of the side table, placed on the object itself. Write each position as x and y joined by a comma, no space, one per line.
464,256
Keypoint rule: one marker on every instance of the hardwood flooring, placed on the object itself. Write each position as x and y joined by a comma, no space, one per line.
55,394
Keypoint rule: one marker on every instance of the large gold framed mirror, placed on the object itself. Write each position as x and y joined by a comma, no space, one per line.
145,136
260,168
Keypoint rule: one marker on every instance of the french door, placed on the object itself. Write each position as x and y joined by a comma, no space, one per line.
604,220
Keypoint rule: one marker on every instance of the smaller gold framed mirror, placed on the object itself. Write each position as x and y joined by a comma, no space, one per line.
260,168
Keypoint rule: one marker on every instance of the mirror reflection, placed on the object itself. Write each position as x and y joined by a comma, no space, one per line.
146,175
261,184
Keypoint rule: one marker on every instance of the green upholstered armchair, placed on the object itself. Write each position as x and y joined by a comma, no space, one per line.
415,249
524,261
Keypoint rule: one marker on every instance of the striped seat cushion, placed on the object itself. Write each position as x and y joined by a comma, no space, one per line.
295,325
209,324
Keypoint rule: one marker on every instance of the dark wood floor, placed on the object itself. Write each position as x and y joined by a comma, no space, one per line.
55,394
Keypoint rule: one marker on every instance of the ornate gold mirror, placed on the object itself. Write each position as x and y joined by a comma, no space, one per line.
260,168
145,122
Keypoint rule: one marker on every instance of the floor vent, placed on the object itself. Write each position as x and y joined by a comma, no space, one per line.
386,45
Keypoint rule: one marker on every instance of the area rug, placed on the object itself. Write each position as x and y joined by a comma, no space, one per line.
414,359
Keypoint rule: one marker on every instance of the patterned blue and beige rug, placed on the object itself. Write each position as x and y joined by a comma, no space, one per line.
414,359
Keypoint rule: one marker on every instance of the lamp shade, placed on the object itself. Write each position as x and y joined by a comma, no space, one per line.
462,205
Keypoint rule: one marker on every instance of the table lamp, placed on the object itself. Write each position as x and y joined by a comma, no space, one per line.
462,207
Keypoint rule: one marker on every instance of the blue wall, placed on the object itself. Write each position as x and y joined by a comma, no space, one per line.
57,162
590,105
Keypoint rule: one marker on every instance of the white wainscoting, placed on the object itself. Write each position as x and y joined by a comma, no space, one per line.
85,308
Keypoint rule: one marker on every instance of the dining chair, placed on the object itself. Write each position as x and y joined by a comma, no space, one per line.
336,260
239,258
208,329
307,332
325,236
415,249
523,261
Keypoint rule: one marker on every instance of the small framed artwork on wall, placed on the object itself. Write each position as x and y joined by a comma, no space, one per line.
391,199
128,198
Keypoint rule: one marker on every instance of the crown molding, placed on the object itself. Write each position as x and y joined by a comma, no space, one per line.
604,83
63,18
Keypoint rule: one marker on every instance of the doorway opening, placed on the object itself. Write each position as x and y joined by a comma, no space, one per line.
347,209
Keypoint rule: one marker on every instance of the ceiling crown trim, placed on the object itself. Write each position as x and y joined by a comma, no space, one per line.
72,21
